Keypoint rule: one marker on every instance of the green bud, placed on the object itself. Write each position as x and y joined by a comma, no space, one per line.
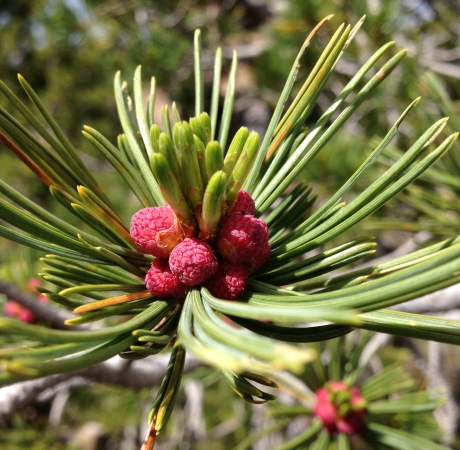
201,126
201,155
214,158
214,197
155,132
165,121
184,143
235,149
206,124
170,188
166,148
198,129
242,167
183,135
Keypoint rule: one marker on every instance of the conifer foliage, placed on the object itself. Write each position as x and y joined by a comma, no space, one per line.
221,232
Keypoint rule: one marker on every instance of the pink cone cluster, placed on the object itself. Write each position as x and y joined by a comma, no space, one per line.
241,247
340,407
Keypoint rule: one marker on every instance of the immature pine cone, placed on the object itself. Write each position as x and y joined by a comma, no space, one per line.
193,261
148,224
229,281
243,204
242,238
161,282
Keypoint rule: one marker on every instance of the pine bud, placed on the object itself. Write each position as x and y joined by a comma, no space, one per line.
214,158
235,149
171,190
242,167
214,196
155,132
184,143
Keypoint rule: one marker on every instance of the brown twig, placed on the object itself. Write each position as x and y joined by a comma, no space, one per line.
139,374
45,313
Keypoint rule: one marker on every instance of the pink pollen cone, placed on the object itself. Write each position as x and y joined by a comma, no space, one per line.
350,423
155,230
325,410
229,281
14,309
193,261
243,204
241,238
161,282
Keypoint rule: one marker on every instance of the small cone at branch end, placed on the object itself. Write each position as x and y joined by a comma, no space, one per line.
241,238
193,261
148,223
161,282
229,282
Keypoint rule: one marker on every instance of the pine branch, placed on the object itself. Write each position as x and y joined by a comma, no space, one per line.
140,374
45,313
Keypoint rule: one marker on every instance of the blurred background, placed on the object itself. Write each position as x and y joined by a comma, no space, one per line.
69,51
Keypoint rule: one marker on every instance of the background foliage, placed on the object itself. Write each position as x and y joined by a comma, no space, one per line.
69,50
